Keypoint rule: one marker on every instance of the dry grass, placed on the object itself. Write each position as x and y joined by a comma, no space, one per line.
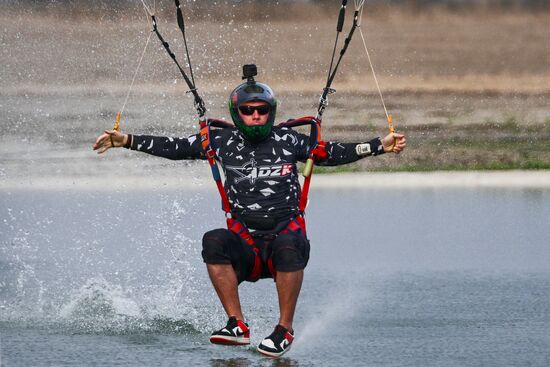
445,76
424,52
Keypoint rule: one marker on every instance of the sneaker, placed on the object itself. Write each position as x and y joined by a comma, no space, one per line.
236,332
278,343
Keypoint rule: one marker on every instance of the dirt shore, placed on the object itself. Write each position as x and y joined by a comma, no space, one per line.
470,90
434,51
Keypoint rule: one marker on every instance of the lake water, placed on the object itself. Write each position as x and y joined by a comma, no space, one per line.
396,278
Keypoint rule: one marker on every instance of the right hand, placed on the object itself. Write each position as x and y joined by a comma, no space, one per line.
110,139
394,142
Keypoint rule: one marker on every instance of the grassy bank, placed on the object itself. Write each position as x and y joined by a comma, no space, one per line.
494,145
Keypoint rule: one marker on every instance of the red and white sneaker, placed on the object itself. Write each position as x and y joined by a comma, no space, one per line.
236,332
277,344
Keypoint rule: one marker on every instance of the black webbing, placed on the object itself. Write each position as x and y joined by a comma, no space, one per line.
339,27
181,25
344,49
332,71
199,103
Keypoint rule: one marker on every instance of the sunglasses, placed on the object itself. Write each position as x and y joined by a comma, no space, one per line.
249,110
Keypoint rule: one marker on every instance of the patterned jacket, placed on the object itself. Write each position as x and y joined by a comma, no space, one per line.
261,178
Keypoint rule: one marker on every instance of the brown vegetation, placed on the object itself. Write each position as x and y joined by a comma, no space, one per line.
448,70
432,51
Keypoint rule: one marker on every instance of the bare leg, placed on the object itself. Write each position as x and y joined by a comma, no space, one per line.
225,282
288,289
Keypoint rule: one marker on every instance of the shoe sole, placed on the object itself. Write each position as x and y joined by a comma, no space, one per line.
228,340
272,354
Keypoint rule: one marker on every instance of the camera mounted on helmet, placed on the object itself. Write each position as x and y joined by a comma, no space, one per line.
252,91
249,72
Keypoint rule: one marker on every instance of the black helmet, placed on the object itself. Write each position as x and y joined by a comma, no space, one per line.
252,91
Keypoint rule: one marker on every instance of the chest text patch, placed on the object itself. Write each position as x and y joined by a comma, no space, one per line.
251,171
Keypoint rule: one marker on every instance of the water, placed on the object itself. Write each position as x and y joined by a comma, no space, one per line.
396,278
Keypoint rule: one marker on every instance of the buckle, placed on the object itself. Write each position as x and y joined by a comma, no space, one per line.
210,153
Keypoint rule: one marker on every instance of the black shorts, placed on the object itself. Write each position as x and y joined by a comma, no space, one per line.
286,252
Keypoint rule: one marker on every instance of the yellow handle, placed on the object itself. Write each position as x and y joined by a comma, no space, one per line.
392,130
390,124
308,168
117,122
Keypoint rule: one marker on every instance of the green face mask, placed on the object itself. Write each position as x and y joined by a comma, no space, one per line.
252,133
252,92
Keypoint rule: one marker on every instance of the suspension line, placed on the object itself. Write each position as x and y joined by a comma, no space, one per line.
116,125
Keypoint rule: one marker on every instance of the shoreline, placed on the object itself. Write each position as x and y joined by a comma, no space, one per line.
515,179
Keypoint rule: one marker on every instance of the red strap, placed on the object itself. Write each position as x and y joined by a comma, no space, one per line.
210,156
221,190
237,227
320,151
305,192
296,225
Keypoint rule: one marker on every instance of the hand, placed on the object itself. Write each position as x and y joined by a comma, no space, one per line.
394,142
110,139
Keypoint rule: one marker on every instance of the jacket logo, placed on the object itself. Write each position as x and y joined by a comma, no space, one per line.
251,171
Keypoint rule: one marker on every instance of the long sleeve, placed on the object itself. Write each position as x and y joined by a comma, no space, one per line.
340,153
166,147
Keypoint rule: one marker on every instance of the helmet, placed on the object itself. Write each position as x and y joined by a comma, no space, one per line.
252,91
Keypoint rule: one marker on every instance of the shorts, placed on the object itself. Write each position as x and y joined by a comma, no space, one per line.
286,252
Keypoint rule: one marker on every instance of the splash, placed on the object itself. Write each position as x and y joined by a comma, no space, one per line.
101,272
100,307
99,299
342,305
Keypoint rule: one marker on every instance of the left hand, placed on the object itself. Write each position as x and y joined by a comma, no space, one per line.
394,142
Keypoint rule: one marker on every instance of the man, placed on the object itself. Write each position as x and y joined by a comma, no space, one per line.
268,236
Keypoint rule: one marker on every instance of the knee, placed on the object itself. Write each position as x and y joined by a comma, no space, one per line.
290,252
215,246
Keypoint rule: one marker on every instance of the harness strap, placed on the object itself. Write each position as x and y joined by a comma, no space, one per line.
317,151
211,157
297,225
239,228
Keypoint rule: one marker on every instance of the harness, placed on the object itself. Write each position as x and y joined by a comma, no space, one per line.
316,150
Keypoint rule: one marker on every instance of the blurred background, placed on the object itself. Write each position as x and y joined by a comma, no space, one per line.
468,81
